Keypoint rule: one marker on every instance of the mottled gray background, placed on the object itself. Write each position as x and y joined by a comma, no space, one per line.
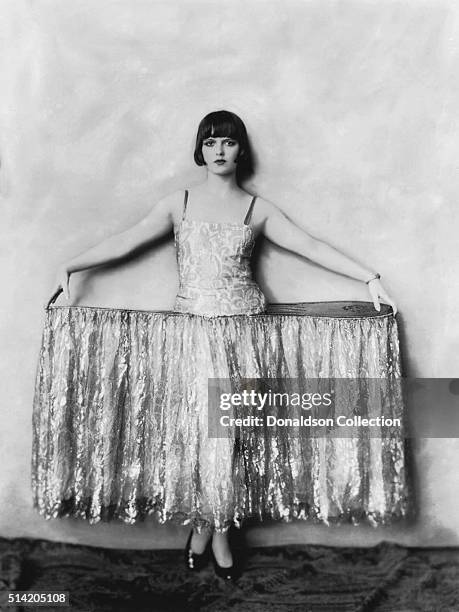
351,107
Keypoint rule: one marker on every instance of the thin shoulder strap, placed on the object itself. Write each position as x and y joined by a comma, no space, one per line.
184,204
249,212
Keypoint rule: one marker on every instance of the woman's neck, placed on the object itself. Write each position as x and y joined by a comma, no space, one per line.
221,186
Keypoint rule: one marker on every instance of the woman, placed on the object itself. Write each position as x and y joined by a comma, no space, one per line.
216,224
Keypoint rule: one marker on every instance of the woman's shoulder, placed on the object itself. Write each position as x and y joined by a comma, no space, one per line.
172,203
174,197
265,208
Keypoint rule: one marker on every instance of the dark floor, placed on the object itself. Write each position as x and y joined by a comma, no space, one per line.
385,578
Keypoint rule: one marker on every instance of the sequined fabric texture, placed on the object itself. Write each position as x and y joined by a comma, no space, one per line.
214,269
120,419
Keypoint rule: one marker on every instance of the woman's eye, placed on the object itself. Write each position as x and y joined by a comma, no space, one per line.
210,143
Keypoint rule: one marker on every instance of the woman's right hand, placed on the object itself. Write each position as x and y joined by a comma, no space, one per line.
62,281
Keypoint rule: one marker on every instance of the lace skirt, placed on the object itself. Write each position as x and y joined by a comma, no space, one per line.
121,417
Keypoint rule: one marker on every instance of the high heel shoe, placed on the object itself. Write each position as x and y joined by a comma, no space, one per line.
230,574
194,561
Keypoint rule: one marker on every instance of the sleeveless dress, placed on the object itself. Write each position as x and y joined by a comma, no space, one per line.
215,281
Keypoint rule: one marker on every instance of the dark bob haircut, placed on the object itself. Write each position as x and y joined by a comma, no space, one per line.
224,123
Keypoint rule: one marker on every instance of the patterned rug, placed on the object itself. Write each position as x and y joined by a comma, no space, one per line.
385,578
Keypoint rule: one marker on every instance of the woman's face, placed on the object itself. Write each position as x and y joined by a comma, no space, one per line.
220,154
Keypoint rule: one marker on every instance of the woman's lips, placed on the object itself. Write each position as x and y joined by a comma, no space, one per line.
220,161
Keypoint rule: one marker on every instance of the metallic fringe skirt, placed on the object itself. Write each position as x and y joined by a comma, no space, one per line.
120,420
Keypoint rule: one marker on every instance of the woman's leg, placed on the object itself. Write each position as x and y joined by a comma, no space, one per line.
199,540
221,549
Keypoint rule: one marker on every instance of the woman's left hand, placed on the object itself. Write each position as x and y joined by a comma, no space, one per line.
377,291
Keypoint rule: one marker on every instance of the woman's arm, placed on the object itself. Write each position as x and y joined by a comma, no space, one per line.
283,232
156,224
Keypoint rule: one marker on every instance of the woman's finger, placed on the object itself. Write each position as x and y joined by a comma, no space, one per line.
54,297
386,297
391,303
64,283
374,297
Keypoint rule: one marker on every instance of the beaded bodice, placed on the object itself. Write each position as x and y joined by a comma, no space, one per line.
215,276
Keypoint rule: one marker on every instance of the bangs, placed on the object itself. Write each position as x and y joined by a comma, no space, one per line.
222,129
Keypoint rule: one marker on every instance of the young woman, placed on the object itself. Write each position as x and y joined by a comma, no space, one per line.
216,224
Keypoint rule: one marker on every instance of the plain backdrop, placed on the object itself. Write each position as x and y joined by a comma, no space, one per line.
351,110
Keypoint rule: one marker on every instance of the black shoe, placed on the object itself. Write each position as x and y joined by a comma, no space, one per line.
230,574
194,561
